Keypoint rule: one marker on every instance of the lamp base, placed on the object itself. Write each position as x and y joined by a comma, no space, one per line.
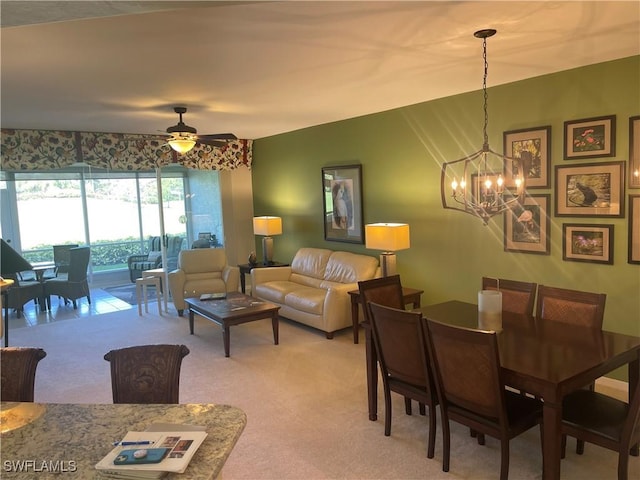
388,264
267,250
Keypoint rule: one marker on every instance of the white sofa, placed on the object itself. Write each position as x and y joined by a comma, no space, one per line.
313,290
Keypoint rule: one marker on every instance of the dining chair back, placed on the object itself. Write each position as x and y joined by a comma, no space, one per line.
62,257
471,388
605,421
18,373
76,285
146,373
399,341
385,291
575,307
517,297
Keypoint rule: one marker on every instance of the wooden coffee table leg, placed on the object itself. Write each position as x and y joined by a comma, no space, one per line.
191,321
274,326
226,337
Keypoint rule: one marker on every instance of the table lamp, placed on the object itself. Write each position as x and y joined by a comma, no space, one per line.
267,226
389,237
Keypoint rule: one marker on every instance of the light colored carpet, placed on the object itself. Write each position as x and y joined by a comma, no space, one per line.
305,401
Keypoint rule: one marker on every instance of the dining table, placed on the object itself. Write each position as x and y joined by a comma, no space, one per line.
548,359
54,440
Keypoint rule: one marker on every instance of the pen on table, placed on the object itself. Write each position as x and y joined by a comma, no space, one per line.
124,444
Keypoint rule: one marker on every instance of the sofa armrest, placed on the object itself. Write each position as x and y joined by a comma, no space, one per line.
269,274
231,278
337,303
177,279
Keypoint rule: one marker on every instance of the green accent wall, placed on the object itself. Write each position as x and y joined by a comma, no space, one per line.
401,152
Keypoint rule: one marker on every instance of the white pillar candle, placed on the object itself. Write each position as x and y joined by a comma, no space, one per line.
490,310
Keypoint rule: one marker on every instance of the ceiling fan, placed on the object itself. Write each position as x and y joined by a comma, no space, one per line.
183,138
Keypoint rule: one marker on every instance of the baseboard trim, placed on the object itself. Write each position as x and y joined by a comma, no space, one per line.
613,387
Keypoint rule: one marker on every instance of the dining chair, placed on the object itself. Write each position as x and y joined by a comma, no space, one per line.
605,421
18,373
76,284
404,362
573,307
22,292
384,291
146,373
471,389
517,297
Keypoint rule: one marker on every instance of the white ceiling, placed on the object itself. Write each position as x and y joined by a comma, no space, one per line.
261,68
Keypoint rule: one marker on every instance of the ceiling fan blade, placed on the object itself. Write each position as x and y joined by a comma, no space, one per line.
218,136
213,143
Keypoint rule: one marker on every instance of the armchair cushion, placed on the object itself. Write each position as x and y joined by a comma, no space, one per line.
153,257
201,271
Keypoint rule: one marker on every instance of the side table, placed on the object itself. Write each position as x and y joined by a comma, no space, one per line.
246,268
409,295
163,290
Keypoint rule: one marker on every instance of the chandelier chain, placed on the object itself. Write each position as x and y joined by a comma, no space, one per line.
486,95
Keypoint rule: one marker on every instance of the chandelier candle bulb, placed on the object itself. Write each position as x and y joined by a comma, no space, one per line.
490,310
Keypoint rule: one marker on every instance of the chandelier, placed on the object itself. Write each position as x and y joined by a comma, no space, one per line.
484,183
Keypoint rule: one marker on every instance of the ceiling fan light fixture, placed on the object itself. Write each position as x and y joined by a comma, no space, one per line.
182,144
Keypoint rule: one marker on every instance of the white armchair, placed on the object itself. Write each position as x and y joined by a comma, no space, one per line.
202,270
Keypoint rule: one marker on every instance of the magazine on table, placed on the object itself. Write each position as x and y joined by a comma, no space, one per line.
153,453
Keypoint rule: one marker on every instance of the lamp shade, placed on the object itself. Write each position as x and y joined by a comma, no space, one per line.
11,261
182,145
267,226
389,237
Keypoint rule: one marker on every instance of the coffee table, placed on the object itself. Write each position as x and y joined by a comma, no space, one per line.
237,308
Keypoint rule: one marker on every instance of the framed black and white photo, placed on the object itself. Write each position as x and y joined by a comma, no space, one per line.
342,201
590,190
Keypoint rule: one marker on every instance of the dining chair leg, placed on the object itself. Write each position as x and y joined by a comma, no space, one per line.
579,447
387,412
504,461
446,445
431,449
407,405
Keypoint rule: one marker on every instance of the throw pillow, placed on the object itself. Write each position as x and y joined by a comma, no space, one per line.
154,256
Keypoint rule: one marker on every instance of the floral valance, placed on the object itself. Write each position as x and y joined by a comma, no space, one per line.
33,150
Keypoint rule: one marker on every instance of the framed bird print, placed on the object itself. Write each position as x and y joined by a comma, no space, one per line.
527,226
590,190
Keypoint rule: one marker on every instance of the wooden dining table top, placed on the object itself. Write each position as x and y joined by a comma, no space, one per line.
548,359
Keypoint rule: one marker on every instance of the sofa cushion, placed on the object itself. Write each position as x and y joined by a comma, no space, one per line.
276,291
311,262
307,299
345,267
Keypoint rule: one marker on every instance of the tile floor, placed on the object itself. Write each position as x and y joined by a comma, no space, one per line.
101,302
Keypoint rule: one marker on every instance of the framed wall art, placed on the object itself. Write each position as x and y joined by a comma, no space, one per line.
342,201
533,147
590,137
634,228
634,152
587,243
527,226
590,190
